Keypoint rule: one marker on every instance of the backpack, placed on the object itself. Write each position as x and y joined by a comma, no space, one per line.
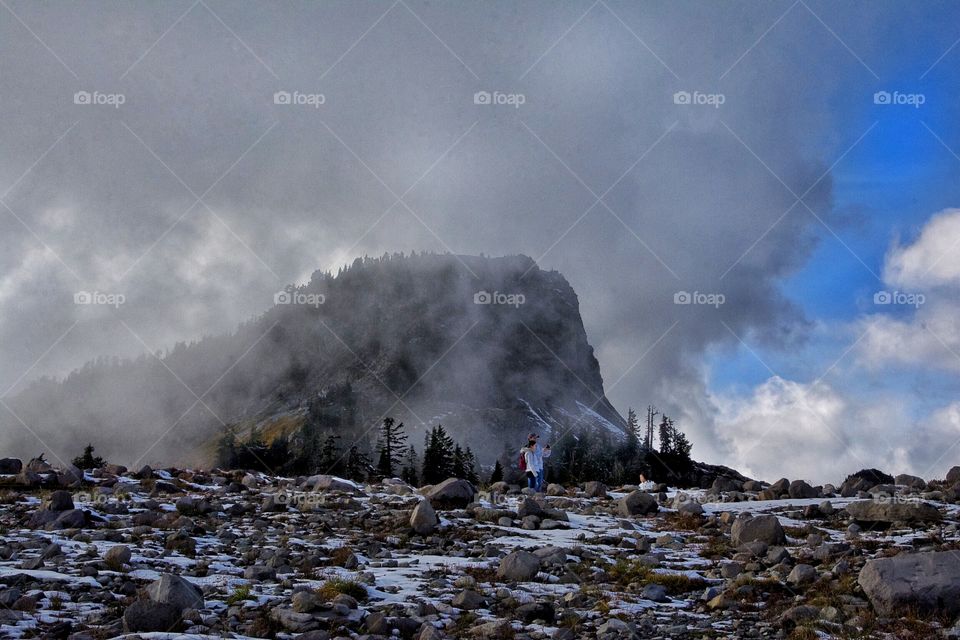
523,462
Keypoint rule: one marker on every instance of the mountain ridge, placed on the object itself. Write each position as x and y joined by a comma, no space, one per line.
492,347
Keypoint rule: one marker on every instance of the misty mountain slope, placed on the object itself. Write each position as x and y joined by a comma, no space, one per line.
398,335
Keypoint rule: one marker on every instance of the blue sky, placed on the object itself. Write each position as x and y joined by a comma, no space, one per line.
884,191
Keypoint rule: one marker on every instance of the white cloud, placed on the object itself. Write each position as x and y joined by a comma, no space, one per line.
932,260
929,336
809,431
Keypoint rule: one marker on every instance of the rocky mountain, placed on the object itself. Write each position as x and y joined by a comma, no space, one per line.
492,348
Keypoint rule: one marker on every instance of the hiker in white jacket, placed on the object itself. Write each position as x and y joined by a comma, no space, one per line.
538,454
530,463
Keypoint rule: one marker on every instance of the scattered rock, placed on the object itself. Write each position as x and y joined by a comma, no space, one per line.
518,566
637,503
763,528
423,518
871,511
927,583
174,590
594,489
149,616
452,493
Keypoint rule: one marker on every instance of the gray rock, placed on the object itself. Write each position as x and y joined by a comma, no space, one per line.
953,476
423,518
724,484
595,489
763,528
468,600
890,511
802,574
556,490
655,592
174,590
305,601
911,481
922,582
452,493
148,616
801,489
529,507
496,630
118,555
259,573
325,482
637,503
60,501
10,466
518,566
799,614
614,627
685,504
780,487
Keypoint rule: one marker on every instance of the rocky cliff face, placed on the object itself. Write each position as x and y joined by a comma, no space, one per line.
492,348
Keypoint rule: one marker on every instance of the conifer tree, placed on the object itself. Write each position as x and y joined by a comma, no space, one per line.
391,446
438,456
410,473
358,464
497,474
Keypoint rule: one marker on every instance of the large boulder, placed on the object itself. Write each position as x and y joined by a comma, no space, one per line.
60,501
637,503
423,519
518,566
595,489
174,590
530,507
914,482
763,528
149,616
452,493
888,511
685,503
780,487
325,482
10,466
917,582
953,476
724,484
801,489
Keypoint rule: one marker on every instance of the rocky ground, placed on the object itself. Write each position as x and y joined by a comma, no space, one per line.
171,554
